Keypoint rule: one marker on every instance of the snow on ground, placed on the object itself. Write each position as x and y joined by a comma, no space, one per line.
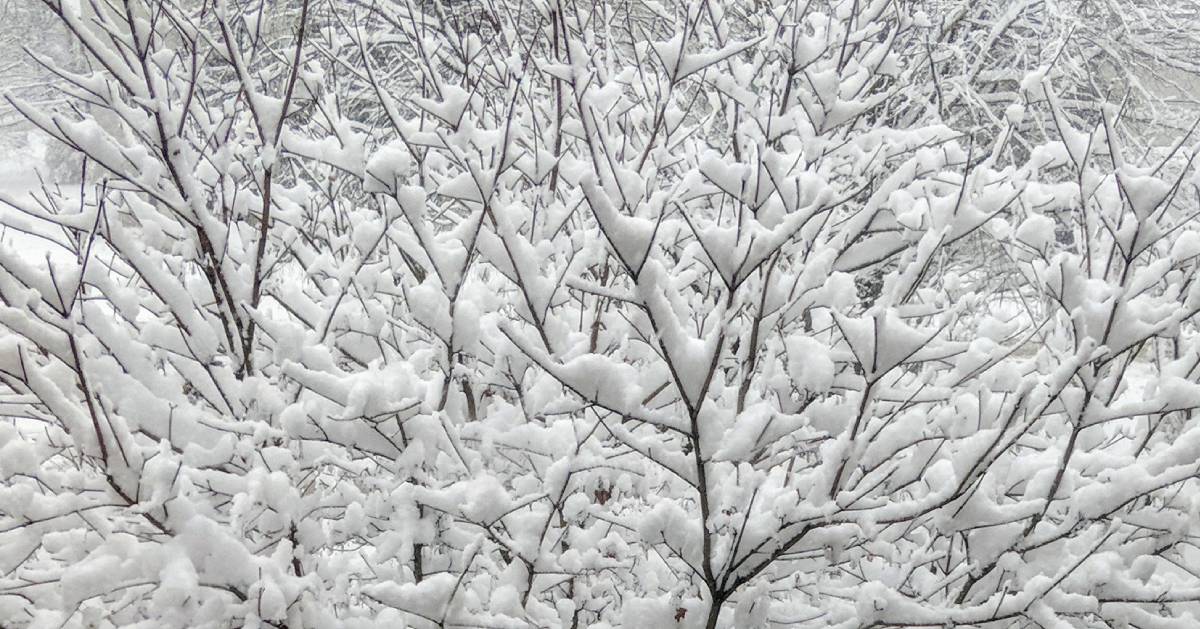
23,170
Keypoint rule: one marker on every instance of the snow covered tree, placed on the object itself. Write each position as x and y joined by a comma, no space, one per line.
1140,53
561,314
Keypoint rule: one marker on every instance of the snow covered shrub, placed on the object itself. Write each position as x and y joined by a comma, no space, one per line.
545,315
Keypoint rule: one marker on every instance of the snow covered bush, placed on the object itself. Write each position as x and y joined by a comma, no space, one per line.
547,314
